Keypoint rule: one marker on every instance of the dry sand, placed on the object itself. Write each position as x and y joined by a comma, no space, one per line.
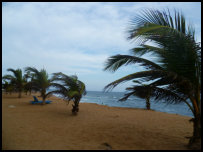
52,127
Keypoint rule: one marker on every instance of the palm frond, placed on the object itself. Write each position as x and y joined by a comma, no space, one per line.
59,86
146,49
157,22
8,77
159,94
32,69
70,85
59,92
82,88
152,74
170,97
115,62
12,70
126,96
73,93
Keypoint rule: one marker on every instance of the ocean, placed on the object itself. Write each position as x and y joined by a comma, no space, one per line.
111,99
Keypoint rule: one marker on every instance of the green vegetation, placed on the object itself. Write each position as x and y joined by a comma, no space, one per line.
7,87
176,74
144,91
16,81
71,89
28,86
40,81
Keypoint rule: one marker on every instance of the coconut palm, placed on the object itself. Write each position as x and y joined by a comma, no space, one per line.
146,91
70,89
40,81
142,91
7,87
176,74
27,86
29,78
17,80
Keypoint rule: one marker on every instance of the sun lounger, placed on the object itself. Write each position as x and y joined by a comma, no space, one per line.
36,101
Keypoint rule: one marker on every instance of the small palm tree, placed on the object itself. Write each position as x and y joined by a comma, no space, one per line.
29,78
39,82
143,91
70,88
8,88
146,91
177,72
16,80
26,87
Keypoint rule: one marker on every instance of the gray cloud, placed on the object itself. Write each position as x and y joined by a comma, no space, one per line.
75,37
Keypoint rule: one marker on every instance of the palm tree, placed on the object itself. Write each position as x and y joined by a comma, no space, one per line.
142,91
27,86
39,82
146,91
176,74
16,80
29,78
70,88
7,87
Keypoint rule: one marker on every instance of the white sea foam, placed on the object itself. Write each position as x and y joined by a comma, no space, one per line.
112,99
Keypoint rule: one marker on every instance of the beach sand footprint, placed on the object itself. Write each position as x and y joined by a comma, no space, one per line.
11,106
105,146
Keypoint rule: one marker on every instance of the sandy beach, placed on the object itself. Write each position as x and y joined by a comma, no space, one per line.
96,127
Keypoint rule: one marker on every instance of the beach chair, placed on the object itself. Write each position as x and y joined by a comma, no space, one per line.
36,101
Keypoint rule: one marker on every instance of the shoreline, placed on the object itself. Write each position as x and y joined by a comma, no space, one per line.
98,127
135,108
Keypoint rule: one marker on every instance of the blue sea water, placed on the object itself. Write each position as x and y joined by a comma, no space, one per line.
111,99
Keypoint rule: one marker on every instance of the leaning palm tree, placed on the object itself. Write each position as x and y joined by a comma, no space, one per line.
177,72
142,91
146,91
70,88
39,82
16,80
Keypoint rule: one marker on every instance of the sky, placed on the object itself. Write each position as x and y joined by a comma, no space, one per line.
77,37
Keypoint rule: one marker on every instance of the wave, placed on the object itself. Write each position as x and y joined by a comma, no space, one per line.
112,100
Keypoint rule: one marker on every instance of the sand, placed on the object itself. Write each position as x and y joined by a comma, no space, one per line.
96,127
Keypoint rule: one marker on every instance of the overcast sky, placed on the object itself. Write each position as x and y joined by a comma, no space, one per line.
77,38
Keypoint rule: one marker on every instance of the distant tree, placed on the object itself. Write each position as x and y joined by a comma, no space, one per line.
39,82
26,77
29,78
142,91
16,80
7,87
70,88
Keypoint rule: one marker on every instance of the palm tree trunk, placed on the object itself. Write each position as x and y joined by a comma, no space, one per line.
76,106
30,90
43,100
147,103
195,140
43,97
19,94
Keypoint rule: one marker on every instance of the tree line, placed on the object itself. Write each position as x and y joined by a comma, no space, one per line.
69,87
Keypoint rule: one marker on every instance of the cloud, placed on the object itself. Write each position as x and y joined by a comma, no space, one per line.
75,37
